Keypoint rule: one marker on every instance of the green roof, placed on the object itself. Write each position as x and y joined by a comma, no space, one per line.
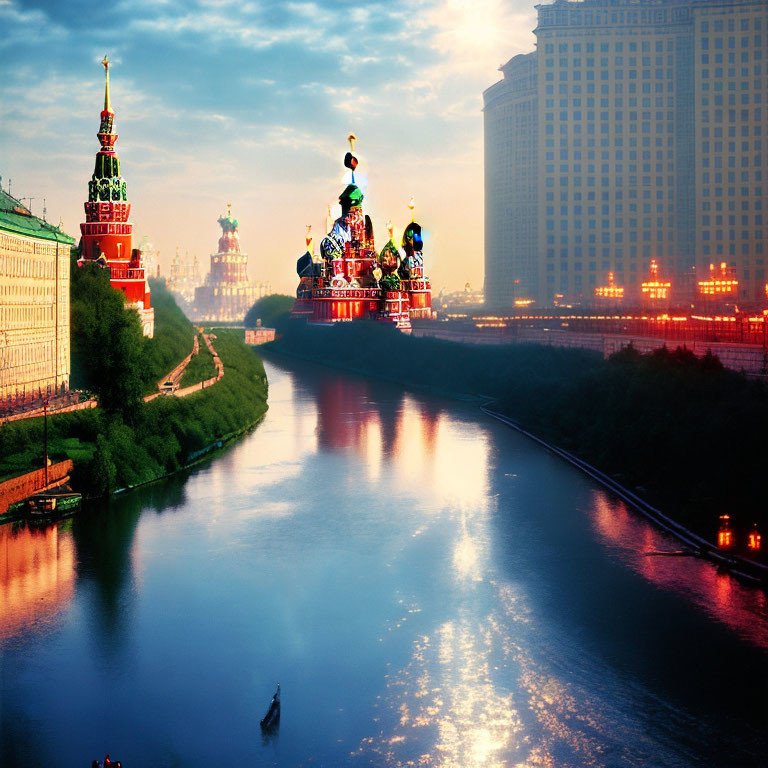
17,218
352,195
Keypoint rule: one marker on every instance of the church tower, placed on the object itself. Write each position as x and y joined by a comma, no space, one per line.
227,294
106,232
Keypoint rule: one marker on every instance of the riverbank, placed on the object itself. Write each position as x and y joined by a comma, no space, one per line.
750,572
683,434
113,451
366,528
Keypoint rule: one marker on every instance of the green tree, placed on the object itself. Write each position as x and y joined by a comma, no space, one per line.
107,341
101,471
269,309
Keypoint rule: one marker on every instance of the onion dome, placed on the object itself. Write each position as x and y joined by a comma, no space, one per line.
230,239
351,197
412,241
228,223
389,257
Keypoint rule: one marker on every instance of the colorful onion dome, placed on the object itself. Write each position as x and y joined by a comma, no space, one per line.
228,223
412,240
351,197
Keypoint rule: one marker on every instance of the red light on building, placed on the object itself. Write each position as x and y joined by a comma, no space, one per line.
610,291
754,540
725,534
655,289
722,282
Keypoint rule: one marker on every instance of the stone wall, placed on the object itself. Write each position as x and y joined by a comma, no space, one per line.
23,486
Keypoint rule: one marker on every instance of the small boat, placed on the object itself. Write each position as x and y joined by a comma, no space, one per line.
272,718
50,503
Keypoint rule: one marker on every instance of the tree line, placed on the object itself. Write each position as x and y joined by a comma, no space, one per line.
126,441
684,431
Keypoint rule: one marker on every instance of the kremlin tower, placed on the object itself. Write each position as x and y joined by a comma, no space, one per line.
106,233
350,281
227,294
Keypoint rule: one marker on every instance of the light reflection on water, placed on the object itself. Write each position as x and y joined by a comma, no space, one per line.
37,576
630,537
429,587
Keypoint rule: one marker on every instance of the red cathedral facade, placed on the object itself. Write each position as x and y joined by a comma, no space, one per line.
107,232
349,280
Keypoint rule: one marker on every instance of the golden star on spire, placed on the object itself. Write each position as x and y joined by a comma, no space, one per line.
105,64
351,139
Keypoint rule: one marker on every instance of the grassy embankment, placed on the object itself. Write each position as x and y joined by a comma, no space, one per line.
200,367
686,432
125,441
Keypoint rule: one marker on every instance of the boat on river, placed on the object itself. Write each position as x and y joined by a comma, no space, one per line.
53,503
272,718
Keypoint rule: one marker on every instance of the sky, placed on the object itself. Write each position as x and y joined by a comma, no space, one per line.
250,103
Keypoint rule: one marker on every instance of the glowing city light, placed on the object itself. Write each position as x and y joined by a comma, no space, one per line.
725,534
610,291
722,281
654,288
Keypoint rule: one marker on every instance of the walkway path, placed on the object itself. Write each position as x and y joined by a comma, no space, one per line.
169,384
62,404
174,377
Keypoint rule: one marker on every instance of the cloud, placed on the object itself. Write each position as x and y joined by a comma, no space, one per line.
252,102
26,27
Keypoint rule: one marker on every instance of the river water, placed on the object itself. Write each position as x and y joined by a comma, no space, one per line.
428,587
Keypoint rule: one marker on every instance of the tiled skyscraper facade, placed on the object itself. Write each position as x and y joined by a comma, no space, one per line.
511,184
650,136
731,139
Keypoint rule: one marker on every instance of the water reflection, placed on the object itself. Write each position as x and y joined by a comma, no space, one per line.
37,575
429,588
635,541
108,567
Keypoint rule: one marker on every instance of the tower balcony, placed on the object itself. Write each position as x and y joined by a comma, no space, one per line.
99,228
107,211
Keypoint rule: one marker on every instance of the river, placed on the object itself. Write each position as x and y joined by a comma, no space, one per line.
428,586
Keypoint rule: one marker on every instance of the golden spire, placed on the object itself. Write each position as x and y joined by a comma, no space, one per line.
351,139
412,206
105,64
389,228
229,210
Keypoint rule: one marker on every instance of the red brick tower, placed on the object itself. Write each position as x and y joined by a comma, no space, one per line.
106,231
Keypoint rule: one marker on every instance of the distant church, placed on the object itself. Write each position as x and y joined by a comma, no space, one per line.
228,293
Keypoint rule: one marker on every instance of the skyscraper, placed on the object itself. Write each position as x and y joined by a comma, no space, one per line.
649,145
511,184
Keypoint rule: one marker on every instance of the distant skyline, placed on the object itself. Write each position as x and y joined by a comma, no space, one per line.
250,103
